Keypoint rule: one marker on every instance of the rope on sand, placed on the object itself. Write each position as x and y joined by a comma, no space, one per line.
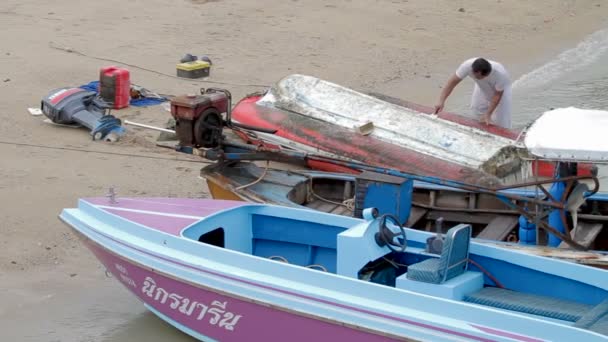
52,45
101,152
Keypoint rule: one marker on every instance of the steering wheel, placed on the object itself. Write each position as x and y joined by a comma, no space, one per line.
386,237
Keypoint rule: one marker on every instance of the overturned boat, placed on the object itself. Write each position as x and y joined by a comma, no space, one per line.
311,113
231,271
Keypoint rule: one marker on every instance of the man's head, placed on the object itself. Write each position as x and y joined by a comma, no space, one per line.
481,68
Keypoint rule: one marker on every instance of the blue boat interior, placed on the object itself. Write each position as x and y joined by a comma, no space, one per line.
379,250
417,203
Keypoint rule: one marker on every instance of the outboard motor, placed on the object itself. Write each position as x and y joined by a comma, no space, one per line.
76,105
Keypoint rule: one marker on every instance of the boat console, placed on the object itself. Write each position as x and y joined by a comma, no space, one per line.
444,275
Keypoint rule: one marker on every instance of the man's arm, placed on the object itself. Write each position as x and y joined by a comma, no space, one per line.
493,104
447,90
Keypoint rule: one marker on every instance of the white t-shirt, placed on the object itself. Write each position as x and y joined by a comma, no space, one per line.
497,80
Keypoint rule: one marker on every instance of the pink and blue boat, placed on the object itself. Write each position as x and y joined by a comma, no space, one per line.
234,271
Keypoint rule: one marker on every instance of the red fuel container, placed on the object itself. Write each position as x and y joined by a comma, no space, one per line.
115,86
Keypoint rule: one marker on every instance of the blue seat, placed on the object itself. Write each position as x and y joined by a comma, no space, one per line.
452,262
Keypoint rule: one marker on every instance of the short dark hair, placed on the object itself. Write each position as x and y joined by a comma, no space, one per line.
482,66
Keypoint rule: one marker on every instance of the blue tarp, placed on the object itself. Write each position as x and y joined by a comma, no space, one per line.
141,102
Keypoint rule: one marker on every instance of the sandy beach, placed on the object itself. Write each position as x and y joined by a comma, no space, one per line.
51,288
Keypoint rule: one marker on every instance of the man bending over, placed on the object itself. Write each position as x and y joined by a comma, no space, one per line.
491,99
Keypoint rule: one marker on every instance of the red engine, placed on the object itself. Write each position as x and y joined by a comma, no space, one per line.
198,118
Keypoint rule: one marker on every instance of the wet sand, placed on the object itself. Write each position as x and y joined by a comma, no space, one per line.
51,288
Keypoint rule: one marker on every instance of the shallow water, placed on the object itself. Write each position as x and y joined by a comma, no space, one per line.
149,328
577,77
100,309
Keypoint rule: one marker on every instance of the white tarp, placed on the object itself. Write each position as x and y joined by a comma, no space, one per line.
570,134
427,134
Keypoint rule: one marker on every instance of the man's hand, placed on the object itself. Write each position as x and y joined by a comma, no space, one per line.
439,107
445,93
486,118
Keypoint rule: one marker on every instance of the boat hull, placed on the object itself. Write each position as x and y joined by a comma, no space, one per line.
182,304
153,247
274,189
348,143
223,193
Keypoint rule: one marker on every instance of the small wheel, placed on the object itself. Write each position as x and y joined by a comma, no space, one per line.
208,128
386,237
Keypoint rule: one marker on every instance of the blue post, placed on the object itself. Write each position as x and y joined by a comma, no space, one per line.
555,220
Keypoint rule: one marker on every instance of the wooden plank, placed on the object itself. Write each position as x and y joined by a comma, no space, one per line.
366,129
342,210
460,217
380,177
596,259
416,214
472,200
584,234
323,206
499,228
315,204
589,217
449,199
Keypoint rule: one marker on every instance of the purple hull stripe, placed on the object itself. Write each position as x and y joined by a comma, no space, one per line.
222,317
406,321
167,224
506,334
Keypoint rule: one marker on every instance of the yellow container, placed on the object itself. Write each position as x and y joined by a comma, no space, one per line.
194,69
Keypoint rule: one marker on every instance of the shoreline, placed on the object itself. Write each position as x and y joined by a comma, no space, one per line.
546,41
47,275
